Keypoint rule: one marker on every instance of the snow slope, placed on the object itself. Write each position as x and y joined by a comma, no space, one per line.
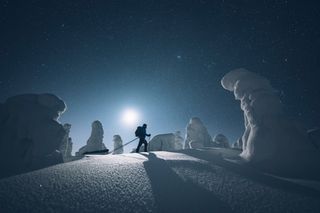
189,181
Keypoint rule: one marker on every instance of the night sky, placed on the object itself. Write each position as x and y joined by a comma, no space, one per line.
162,58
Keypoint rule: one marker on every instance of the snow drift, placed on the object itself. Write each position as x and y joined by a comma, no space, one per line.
166,142
189,181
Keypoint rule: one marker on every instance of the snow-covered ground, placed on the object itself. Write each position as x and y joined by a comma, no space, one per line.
189,181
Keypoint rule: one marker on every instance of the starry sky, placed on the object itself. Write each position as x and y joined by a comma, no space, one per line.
164,58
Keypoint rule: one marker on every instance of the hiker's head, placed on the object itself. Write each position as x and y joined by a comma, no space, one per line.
144,125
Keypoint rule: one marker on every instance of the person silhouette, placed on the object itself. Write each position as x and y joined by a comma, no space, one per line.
141,133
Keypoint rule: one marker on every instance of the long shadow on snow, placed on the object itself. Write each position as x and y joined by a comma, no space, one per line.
254,175
172,194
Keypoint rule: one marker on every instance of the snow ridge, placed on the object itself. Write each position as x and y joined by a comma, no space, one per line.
189,181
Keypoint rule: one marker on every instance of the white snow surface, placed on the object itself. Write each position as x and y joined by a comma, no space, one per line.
211,180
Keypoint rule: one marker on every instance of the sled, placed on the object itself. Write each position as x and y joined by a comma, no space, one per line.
100,152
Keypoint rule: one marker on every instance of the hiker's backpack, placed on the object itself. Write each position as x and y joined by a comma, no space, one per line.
138,131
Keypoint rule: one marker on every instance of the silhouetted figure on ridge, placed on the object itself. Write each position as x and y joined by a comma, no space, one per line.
141,133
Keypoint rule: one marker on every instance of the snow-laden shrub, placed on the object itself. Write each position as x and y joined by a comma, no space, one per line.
30,132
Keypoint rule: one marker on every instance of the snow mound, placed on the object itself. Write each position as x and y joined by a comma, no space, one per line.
220,140
211,180
166,142
30,132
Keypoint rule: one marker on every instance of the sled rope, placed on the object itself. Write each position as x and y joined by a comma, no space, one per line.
123,145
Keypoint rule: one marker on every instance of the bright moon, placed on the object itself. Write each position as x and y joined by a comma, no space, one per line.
130,116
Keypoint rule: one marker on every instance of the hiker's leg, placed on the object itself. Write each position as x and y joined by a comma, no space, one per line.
145,146
138,148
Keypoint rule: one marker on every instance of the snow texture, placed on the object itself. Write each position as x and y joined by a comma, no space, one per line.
270,138
117,145
220,140
95,142
197,135
30,132
166,142
191,181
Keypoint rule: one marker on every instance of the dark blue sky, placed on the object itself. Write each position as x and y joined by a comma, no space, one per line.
164,58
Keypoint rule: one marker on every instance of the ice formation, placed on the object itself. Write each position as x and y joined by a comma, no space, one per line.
117,145
66,145
95,142
166,142
178,140
221,140
270,138
197,135
30,132
237,144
